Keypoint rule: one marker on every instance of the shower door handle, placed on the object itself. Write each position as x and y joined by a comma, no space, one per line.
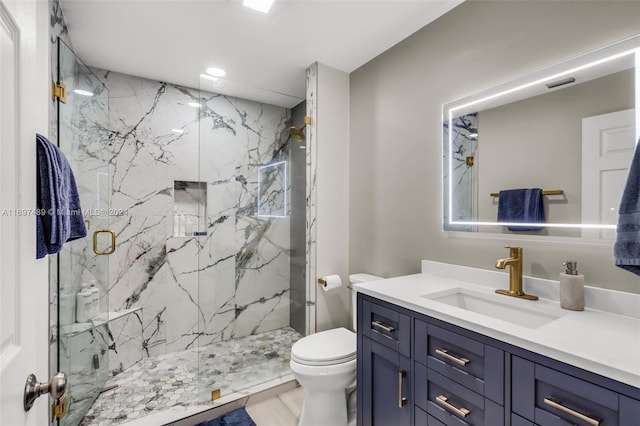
95,242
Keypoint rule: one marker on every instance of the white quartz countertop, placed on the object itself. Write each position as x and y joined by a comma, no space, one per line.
604,338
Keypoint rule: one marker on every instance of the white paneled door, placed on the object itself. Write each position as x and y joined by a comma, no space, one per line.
23,280
608,142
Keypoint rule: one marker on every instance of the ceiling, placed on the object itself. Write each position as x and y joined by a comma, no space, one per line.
265,56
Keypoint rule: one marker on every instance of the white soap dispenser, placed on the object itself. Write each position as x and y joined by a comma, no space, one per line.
67,306
95,298
84,303
571,287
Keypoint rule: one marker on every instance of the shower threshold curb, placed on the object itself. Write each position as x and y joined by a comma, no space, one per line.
181,415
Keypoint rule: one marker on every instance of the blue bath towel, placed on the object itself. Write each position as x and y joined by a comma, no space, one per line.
238,417
521,205
626,249
60,214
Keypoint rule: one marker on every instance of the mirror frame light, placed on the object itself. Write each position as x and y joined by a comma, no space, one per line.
626,47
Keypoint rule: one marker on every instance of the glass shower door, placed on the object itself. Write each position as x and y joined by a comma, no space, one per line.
83,265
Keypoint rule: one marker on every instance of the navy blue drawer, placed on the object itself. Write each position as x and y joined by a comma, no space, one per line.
387,327
548,397
423,419
469,362
451,403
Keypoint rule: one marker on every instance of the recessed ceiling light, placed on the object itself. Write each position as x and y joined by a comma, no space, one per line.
216,72
83,92
194,105
179,131
260,5
209,77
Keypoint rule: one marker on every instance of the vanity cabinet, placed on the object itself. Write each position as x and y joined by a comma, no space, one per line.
418,370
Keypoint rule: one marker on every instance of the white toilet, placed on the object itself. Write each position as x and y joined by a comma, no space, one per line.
324,364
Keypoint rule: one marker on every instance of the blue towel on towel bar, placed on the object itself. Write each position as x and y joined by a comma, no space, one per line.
521,205
626,249
60,214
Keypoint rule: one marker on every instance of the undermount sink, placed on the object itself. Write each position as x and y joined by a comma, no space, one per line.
515,311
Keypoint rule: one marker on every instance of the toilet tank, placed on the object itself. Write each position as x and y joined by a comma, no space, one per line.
356,279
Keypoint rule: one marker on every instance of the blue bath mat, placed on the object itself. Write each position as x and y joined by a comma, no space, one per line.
237,417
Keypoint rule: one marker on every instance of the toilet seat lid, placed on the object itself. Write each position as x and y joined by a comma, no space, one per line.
325,348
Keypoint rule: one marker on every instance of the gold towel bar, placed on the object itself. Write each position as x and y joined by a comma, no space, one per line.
544,192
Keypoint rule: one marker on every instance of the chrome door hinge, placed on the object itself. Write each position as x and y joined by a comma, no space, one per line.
59,91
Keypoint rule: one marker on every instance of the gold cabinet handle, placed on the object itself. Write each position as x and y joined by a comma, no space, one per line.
445,354
381,326
95,242
444,401
401,399
558,405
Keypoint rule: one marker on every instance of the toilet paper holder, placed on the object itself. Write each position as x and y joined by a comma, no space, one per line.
322,282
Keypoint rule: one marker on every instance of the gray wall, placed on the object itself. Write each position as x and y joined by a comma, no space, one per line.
395,112
331,127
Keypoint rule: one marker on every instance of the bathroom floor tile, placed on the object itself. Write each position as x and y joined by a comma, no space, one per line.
271,412
294,400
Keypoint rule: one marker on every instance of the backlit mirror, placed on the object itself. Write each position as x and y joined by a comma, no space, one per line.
569,130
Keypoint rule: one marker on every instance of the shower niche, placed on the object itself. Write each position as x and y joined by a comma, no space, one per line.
189,208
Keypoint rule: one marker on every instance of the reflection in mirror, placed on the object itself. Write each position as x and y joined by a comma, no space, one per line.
568,130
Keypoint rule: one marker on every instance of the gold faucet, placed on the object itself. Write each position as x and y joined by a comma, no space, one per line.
514,261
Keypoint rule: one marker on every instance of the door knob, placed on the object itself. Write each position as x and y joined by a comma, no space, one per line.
32,389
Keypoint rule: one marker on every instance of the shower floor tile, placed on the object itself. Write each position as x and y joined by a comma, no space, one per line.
189,377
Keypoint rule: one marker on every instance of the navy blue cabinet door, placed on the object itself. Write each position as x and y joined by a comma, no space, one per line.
386,386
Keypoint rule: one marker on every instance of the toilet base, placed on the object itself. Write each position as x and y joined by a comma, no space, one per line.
324,409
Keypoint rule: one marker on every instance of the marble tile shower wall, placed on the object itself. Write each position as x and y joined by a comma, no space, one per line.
193,290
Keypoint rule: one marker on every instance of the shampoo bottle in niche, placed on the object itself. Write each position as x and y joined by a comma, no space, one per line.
571,287
176,223
182,221
84,303
188,227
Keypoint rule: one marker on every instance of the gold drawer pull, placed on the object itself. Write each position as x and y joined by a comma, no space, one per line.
443,400
401,399
558,405
445,353
381,326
